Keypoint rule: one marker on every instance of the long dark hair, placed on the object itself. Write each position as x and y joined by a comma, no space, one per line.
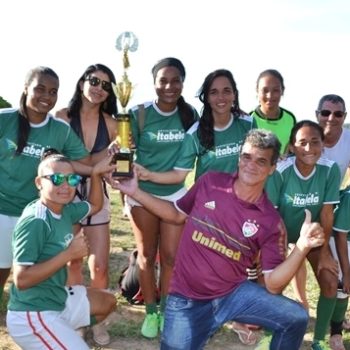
23,124
206,122
109,106
186,111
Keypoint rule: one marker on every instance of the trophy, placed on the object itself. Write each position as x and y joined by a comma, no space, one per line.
126,42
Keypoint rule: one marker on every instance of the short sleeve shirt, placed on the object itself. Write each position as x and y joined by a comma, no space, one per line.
158,144
17,172
281,126
223,157
222,236
292,193
39,236
342,213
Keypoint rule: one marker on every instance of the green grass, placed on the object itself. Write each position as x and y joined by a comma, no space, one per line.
129,318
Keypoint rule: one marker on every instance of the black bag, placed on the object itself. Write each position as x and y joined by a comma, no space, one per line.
129,281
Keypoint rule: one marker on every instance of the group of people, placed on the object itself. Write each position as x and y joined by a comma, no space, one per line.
262,180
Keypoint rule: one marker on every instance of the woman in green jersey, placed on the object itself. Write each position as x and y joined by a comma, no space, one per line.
158,130
308,181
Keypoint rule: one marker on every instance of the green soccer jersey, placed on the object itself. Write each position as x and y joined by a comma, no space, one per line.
39,236
281,126
342,213
291,192
17,172
224,156
157,144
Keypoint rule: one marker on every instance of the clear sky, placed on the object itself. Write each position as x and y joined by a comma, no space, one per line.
306,40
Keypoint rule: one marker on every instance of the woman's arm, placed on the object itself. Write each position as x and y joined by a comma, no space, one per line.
28,276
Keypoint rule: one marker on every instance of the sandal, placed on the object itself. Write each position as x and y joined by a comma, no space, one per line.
245,335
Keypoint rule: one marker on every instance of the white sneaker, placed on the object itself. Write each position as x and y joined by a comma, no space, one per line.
100,334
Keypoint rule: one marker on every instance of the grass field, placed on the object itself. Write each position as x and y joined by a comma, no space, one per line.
124,325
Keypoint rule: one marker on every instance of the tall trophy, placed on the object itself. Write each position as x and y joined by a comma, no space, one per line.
127,41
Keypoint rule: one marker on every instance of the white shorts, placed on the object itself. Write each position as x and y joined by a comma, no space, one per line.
7,224
171,198
335,255
36,330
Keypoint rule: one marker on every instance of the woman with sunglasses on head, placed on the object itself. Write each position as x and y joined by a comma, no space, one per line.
24,135
43,312
306,180
90,113
269,115
158,130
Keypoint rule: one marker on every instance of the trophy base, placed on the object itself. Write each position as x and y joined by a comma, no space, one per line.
123,162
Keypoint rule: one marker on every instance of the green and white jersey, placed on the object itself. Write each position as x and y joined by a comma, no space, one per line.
227,145
17,172
342,213
281,126
292,193
39,236
158,144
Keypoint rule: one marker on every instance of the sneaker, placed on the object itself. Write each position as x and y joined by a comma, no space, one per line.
336,342
320,345
161,321
264,343
150,326
100,334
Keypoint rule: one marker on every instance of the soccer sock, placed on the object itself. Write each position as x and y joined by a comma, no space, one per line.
162,303
151,308
325,308
340,308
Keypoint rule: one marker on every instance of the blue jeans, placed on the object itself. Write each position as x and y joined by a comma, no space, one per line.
190,323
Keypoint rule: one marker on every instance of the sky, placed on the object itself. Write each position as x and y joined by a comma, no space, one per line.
306,40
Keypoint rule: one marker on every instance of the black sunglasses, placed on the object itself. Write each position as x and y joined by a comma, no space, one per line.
94,81
58,179
327,113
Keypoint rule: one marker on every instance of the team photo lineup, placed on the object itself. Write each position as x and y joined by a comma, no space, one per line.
226,206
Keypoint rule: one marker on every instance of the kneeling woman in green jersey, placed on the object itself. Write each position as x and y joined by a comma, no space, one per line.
43,312
308,181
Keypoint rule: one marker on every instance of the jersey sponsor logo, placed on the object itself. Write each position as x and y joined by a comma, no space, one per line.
210,205
227,150
170,135
250,228
33,150
213,244
68,239
303,199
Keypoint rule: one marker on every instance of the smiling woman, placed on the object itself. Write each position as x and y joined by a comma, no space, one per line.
25,134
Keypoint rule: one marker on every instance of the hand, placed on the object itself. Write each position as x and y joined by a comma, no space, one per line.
113,148
142,173
346,282
326,261
78,248
311,234
126,185
104,166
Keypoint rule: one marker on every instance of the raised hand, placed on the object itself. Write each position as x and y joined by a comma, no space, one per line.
311,233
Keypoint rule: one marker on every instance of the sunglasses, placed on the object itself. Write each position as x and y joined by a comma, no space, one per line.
94,81
327,113
58,179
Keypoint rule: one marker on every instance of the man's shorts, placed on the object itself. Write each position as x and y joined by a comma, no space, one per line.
7,225
52,329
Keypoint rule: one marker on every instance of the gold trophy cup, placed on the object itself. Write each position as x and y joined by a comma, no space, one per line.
123,160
